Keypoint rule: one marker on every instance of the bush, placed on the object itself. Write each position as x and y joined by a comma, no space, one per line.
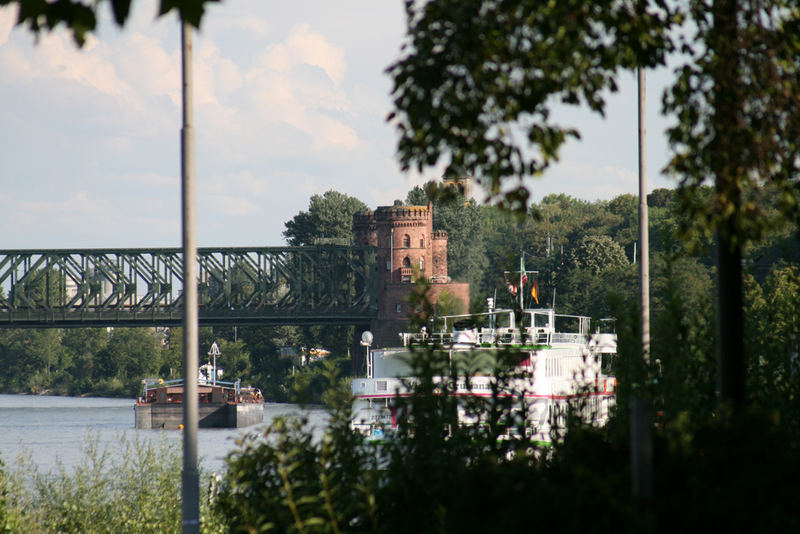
281,479
8,520
132,487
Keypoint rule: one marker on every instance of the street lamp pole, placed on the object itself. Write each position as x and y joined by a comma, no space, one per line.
190,478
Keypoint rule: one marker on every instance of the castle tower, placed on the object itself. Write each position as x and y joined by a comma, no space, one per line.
406,244
439,252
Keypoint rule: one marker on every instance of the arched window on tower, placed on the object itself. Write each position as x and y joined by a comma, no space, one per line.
422,242
406,272
422,264
406,241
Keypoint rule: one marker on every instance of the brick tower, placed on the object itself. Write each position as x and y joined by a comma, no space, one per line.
406,241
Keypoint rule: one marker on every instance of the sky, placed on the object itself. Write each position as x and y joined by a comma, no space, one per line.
290,101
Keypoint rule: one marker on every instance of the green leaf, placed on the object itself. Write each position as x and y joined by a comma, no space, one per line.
120,9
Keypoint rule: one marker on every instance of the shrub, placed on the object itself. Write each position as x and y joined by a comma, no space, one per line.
131,487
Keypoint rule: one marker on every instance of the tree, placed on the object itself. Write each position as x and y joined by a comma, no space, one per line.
738,129
81,17
133,354
448,304
462,219
328,216
625,209
418,196
81,349
477,80
773,328
28,356
660,198
597,254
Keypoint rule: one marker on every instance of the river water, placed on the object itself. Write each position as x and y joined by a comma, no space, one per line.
52,430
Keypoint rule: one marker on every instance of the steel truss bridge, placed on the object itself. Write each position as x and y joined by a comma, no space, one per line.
321,284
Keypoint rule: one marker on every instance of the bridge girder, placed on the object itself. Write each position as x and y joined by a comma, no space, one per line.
320,284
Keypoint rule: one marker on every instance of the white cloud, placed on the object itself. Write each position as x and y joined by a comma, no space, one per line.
147,69
14,66
211,71
242,182
46,213
151,179
116,85
234,206
283,89
306,47
254,27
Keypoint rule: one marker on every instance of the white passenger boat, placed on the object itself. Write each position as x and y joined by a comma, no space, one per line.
558,362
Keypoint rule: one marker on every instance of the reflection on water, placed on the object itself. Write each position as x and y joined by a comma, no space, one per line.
47,430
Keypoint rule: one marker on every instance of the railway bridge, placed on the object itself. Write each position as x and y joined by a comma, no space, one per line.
319,284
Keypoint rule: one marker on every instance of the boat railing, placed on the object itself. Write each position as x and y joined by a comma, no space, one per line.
149,385
490,336
499,336
564,337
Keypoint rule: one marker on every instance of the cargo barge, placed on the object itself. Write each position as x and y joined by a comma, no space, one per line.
220,404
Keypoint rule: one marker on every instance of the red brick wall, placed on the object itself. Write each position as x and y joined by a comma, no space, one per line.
439,251
393,302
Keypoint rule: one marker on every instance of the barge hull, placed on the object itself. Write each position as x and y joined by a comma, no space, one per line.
210,415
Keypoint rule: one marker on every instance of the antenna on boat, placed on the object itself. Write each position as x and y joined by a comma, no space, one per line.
366,341
214,352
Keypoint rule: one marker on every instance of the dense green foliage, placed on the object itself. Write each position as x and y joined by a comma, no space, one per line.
329,216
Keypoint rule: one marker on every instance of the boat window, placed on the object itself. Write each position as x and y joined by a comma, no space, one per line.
608,364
